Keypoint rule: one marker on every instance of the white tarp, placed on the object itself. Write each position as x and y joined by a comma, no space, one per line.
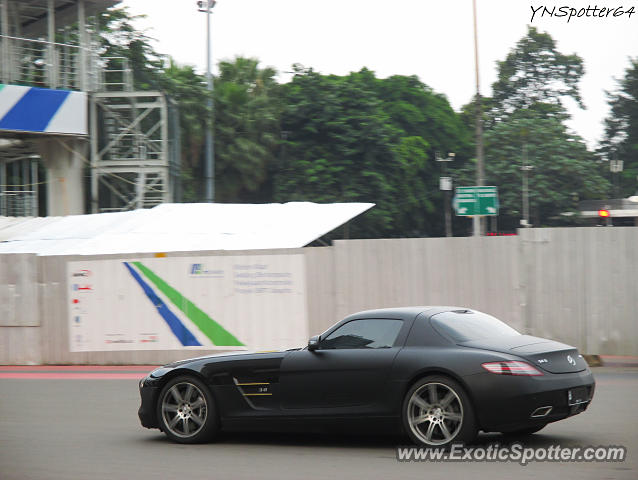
178,227
229,302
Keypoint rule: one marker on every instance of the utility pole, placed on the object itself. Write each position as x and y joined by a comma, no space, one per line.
209,167
445,185
525,169
480,170
616,168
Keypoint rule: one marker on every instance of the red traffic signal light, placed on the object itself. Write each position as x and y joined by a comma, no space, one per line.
603,213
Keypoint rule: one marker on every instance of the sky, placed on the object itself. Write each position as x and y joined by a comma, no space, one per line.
430,39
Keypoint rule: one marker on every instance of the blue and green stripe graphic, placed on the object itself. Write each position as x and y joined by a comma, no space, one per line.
217,334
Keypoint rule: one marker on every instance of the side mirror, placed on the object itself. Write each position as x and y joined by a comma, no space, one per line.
313,343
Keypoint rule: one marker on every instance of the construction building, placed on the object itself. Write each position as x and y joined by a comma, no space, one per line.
75,135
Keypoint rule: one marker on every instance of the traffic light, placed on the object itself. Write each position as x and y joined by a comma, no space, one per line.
602,213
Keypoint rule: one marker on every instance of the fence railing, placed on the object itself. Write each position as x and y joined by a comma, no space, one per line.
115,74
39,63
19,203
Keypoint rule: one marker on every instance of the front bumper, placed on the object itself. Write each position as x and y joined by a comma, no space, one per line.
506,402
147,411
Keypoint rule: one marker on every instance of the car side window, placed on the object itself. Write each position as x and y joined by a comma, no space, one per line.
365,333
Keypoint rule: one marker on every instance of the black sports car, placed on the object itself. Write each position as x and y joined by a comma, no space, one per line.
439,373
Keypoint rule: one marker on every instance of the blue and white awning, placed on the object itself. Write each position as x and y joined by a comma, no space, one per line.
41,110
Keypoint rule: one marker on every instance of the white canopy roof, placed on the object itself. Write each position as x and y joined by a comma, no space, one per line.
173,227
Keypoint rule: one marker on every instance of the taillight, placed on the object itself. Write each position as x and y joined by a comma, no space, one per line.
510,367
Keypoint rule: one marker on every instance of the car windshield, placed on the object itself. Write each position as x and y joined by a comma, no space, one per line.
466,325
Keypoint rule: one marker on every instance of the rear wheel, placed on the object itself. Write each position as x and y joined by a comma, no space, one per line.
437,411
186,411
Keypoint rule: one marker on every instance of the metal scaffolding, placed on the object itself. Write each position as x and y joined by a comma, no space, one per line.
134,147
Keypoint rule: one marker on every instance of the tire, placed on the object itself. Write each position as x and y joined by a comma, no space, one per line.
186,411
524,431
436,411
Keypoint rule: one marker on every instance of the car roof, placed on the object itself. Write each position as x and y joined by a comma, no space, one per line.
403,312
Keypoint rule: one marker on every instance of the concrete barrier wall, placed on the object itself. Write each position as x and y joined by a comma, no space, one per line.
321,289
582,287
55,332
576,285
481,273
20,291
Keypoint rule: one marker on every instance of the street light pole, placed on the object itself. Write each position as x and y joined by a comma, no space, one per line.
445,184
209,167
525,169
480,171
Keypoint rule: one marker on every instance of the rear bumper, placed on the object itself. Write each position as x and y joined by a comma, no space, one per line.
506,402
147,411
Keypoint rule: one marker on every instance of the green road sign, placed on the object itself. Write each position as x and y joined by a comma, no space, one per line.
469,201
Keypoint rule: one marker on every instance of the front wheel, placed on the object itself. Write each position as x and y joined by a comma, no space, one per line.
436,411
186,411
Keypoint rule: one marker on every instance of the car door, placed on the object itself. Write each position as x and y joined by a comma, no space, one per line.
349,368
244,382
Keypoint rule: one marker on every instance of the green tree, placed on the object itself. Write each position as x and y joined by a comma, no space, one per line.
621,129
535,75
360,138
417,110
339,147
425,117
417,213
526,113
188,88
563,171
247,117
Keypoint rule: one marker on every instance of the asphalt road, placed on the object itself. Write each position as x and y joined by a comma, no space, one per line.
77,429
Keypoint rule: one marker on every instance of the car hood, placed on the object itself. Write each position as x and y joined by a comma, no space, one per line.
223,356
551,356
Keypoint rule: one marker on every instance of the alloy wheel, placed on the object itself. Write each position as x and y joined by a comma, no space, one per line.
435,413
184,409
